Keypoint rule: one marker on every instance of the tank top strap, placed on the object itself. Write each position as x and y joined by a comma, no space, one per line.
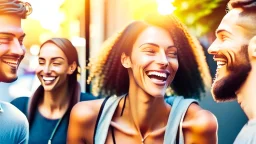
176,116
105,119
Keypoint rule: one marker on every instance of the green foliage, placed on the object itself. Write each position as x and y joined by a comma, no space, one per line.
201,16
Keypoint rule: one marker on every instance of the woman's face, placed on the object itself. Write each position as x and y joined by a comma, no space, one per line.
53,67
153,62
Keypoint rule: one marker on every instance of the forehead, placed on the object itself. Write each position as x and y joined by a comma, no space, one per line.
236,24
11,24
155,35
51,50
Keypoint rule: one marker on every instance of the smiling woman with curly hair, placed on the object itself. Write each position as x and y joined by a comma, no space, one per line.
134,69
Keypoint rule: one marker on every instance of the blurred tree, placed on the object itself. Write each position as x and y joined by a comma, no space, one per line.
200,17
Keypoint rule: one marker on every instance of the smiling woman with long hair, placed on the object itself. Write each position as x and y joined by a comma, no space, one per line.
135,68
49,108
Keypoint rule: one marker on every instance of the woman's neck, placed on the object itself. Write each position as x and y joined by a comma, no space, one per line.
148,113
55,103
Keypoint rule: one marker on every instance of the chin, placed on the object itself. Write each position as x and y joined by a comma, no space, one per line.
8,79
156,94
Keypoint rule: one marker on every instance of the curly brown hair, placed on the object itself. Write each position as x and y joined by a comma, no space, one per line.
15,7
111,78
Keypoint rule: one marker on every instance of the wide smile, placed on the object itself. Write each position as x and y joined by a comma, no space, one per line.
48,80
12,62
220,64
158,77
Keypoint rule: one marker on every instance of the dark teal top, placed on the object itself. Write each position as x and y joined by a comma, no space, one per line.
41,128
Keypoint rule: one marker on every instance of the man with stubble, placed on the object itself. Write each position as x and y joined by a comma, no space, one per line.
234,50
13,124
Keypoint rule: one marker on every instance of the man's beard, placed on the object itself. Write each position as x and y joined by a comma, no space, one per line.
225,88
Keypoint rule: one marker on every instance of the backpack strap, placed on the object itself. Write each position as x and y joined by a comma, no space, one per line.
177,114
98,118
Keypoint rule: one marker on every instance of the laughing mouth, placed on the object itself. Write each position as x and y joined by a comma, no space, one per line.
158,76
220,64
48,79
13,64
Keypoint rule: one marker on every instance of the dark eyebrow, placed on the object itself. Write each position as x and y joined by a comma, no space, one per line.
58,58
54,58
218,31
153,44
156,45
13,35
171,47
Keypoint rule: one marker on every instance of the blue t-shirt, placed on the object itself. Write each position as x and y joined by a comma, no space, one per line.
42,128
13,125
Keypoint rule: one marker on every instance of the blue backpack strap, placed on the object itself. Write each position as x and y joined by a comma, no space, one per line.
179,108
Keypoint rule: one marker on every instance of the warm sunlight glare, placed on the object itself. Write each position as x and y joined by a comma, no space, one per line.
165,7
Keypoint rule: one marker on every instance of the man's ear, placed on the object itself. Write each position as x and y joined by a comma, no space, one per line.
72,68
252,46
125,60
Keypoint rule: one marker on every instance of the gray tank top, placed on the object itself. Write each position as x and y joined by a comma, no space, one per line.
174,124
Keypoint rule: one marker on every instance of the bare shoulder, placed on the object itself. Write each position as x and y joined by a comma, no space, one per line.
200,120
82,121
86,111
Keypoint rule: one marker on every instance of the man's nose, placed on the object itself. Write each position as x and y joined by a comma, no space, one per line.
214,48
17,48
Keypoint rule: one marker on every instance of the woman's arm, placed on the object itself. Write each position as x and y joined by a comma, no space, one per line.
200,126
82,122
76,126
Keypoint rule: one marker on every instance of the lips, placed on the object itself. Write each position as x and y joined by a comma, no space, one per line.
158,77
48,79
11,61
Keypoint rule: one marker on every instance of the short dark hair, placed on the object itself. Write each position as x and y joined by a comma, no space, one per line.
15,7
110,77
248,11
245,4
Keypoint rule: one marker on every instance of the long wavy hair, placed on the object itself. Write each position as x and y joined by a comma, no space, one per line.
15,7
73,86
111,78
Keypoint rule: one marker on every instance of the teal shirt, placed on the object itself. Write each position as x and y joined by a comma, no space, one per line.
41,128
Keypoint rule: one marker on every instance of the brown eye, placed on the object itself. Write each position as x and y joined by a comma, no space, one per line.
41,63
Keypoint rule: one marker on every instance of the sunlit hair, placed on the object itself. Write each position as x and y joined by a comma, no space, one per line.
15,7
245,4
248,6
73,86
110,77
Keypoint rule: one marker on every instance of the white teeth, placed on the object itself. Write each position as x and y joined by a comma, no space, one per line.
220,64
48,78
11,63
160,74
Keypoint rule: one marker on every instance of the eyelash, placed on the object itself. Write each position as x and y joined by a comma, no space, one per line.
223,37
7,40
173,53
41,63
